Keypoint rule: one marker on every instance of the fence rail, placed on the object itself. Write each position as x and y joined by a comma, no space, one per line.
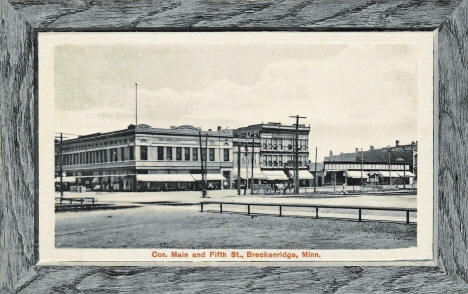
316,206
81,200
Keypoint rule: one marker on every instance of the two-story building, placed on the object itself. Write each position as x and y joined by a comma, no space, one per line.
143,158
276,156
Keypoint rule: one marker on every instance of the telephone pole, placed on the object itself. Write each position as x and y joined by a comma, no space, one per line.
246,167
61,166
205,171
296,155
252,167
201,163
315,171
362,161
136,104
238,168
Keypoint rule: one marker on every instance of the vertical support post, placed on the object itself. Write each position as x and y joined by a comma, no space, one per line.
296,159
220,208
248,209
201,206
315,171
360,214
280,210
252,167
201,163
407,217
136,104
238,168
389,169
246,168
316,212
71,200
205,171
61,165
362,162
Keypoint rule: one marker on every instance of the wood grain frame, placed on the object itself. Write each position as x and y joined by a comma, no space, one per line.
21,20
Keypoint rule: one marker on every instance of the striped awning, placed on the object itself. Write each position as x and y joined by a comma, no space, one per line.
406,174
209,177
165,178
275,175
355,174
68,179
247,174
303,174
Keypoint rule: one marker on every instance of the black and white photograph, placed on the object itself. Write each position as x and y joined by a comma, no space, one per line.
247,146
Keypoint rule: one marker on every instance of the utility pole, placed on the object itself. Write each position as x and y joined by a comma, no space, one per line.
201,161
61,166
205,183
252,167
238,168
136,104
296,155
246,167
389,169
134,137
315,172
362,161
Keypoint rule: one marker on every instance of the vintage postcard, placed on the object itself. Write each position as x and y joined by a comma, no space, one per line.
236,147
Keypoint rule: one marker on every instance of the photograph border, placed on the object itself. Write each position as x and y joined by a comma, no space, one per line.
420,254
22,20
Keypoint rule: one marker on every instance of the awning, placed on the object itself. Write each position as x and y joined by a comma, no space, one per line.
303,174
209,177
355,174
406,174
165,178
66,179
273,175
258,174
387,174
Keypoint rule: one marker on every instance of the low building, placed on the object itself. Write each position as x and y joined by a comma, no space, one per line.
387,165
142,158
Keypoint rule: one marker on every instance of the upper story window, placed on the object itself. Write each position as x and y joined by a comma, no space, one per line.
212,154
187,153
168,153
178,153
226,154
143,152
195,154
160,153
131,151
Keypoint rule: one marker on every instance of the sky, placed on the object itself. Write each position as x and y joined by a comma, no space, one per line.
353,94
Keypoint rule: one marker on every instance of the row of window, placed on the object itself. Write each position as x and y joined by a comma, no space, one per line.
181,153
367,166
127,153
95,144
281,160
97,156
283,144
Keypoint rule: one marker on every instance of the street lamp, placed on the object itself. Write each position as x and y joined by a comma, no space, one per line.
404,169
